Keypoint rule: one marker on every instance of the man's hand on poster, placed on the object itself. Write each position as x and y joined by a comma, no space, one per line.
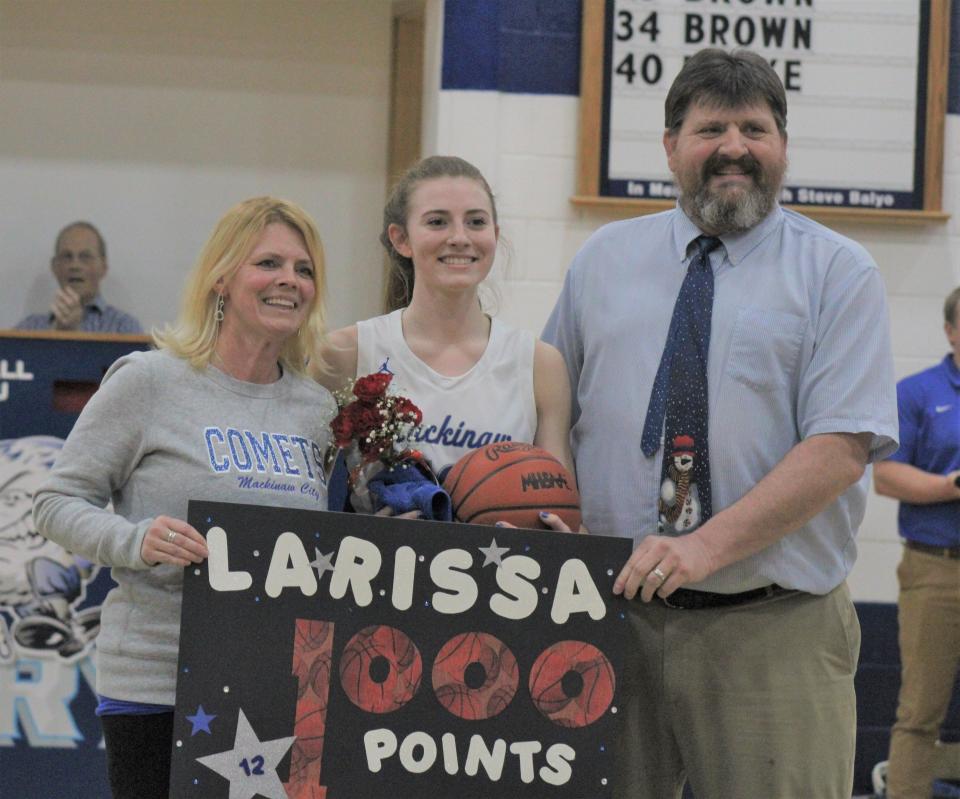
172,541
661,565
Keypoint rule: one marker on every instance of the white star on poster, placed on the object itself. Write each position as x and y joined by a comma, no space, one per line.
493,553
322,563
251,766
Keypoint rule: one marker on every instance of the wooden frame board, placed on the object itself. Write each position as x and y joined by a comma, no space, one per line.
929,133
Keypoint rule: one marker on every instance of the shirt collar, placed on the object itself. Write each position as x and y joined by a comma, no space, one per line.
737,245
950,368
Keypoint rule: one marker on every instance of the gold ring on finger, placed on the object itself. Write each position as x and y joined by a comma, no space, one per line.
658,573
170,536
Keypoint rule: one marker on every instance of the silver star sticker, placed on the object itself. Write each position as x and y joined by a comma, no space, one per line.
493,553
251,766
322,563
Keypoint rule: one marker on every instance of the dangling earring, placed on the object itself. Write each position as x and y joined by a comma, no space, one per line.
218,314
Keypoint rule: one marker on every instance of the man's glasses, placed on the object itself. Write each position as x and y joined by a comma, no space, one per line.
86,258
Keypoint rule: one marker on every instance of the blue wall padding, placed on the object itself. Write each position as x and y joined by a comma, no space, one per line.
471,45
878,683
520,46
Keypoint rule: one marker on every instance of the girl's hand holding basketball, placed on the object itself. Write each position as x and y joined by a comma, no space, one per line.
550,520
554,522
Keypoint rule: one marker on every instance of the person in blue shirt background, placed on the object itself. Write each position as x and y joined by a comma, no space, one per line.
923,474
79,263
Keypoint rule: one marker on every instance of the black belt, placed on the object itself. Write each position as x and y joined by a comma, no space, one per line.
685,599
930,549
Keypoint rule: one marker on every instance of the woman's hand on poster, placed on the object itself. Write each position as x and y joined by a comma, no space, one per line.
172,541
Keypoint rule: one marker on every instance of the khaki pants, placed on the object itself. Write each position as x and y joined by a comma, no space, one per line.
749,702
929,616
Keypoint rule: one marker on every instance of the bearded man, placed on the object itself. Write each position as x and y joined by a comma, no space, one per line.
760,339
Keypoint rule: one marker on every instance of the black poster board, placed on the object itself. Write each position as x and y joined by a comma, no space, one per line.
344,656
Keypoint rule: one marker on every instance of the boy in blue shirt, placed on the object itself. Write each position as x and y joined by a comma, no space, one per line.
923,474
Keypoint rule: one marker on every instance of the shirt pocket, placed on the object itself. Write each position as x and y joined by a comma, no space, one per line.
764,348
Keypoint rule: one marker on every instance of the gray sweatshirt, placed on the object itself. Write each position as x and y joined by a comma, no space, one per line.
156,434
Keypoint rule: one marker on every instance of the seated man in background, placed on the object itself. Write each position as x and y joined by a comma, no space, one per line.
79,263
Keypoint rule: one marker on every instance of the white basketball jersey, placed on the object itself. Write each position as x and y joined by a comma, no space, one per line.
493,401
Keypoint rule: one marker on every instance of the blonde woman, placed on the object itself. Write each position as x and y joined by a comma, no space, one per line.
221,411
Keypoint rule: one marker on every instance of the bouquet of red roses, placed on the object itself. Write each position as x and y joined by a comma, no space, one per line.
374,423
374,428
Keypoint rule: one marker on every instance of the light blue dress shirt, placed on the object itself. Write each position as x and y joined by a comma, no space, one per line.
800,345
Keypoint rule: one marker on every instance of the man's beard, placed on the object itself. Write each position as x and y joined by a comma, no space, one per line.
720,212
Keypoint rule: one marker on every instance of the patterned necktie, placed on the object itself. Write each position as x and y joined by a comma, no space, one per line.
679,395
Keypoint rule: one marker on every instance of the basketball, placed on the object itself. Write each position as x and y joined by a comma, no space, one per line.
512,482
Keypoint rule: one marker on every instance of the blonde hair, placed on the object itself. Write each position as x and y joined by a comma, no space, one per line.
194,335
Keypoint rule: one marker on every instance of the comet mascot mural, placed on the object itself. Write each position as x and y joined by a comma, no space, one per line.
41,584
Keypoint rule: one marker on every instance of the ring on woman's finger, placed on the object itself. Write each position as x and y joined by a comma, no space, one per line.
658,573
170,536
